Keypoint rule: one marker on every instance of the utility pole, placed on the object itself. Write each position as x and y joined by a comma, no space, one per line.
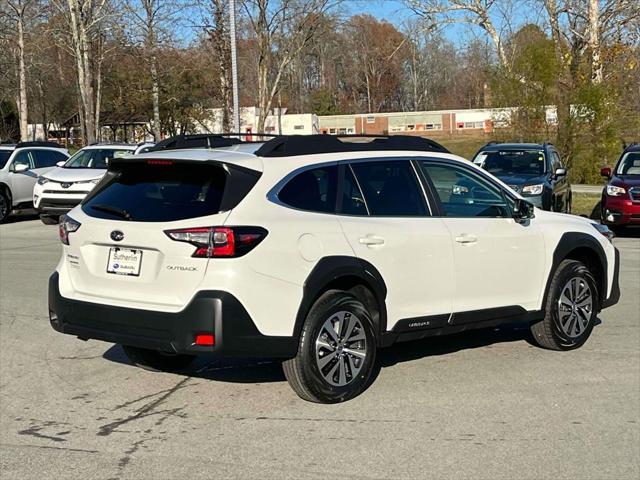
234,65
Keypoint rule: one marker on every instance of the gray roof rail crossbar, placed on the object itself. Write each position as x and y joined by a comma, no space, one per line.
38,144
293,145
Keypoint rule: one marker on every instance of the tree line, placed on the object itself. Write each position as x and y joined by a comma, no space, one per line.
168,61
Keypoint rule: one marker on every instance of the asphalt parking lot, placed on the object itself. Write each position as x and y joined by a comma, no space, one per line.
484,405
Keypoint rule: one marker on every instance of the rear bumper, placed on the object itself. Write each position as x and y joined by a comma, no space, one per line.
209,312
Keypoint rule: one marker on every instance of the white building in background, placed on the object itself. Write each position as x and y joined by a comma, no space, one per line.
279,122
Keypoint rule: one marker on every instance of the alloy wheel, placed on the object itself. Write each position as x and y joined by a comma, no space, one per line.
575,307
341,348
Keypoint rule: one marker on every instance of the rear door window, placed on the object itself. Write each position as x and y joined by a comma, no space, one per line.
390,188
159,193
314,190
352,201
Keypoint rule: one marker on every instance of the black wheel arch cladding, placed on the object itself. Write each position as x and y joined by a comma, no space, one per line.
574,245
331,272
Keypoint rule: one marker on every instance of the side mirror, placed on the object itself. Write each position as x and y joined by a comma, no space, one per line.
459,190
523,210
20,167
61,163
561,172
606,172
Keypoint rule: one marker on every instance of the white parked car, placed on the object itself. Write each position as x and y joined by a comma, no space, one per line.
20,166
64,187
319,251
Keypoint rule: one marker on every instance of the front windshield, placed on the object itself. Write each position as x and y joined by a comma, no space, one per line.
95,157
4,156
630,164
512,162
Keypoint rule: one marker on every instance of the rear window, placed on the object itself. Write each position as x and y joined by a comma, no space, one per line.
164,193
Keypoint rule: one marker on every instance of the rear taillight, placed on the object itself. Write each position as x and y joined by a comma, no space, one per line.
66,226
219,242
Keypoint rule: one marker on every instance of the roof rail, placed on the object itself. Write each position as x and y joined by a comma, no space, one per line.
204,140
293,145
38,144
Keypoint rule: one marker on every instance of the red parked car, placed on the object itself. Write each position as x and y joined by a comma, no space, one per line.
621,196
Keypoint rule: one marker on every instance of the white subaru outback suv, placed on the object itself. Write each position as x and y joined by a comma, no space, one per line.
319,250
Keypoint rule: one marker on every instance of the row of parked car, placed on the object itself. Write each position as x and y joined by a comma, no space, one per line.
41,174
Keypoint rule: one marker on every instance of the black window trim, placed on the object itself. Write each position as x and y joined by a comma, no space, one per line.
430,197
507,195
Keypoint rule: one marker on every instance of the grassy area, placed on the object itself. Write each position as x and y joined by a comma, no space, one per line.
463,145
586,204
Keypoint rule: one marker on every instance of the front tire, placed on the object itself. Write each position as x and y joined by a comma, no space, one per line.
337,350
156,361
571,308
5,206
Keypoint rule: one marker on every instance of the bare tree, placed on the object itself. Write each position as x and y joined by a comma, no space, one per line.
473,12
282,29
18,12
85,19
151,21
216,15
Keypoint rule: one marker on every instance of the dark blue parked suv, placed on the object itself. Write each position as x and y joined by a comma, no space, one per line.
534,170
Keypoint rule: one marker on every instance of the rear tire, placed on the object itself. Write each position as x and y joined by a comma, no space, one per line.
49,220
571,308
156,361
5,206
337,350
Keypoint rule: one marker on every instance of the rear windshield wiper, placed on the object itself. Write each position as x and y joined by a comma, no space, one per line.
114,210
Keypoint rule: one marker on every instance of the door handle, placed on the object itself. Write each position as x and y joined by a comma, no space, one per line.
371,240
465,238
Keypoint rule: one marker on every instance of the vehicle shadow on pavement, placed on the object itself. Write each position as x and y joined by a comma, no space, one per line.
629,232
269,370
435,346
21,217
222,370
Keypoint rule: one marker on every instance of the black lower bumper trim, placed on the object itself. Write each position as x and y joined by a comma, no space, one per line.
210,311
615,288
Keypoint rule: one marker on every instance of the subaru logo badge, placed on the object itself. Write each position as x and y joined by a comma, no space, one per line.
117,235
